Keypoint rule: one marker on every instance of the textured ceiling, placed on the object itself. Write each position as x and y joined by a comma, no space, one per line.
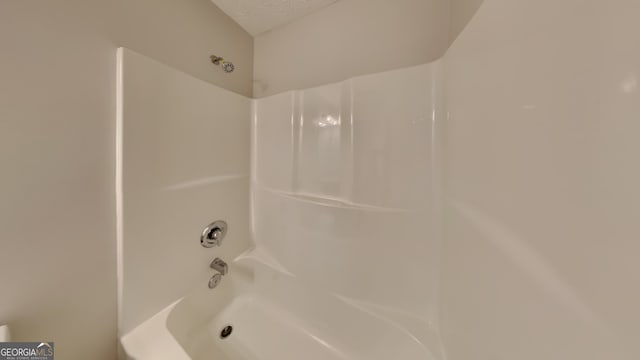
258,16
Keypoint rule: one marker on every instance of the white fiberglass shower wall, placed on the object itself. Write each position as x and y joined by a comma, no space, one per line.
343,211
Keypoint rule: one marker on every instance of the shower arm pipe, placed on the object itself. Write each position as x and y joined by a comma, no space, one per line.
216,60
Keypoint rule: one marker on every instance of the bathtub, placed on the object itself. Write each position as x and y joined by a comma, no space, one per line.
273,316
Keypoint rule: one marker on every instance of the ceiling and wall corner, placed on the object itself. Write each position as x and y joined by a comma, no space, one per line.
349,38
258,16
304,43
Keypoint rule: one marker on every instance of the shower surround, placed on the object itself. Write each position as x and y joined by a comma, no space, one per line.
344,241
479,207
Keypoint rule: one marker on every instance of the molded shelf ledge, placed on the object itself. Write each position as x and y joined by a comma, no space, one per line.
334,202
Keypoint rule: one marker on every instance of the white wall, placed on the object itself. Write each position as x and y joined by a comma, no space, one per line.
57,119
543,201
184,163
349,38
461,12
343,207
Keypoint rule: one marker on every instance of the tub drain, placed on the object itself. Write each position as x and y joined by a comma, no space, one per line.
226,331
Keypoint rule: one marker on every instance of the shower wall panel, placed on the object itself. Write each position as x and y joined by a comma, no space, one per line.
343,194
183,162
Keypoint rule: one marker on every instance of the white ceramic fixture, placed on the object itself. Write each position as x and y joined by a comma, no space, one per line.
5,335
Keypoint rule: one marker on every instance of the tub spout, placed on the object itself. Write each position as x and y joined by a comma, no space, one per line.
220,266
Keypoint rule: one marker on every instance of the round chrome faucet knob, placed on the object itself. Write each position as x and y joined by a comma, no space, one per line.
213,234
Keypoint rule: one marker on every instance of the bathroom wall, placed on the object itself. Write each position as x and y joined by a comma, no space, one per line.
343,208
183,163
57,136
461,12
541,257
350,38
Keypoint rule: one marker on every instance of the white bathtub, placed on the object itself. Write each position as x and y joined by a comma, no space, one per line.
305,324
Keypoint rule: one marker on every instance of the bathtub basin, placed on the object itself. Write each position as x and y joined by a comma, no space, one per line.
272,316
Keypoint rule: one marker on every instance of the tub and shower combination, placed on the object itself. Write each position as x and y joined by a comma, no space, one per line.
388,216
332,261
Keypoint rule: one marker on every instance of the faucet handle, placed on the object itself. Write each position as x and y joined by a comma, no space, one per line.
213,234
220,266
